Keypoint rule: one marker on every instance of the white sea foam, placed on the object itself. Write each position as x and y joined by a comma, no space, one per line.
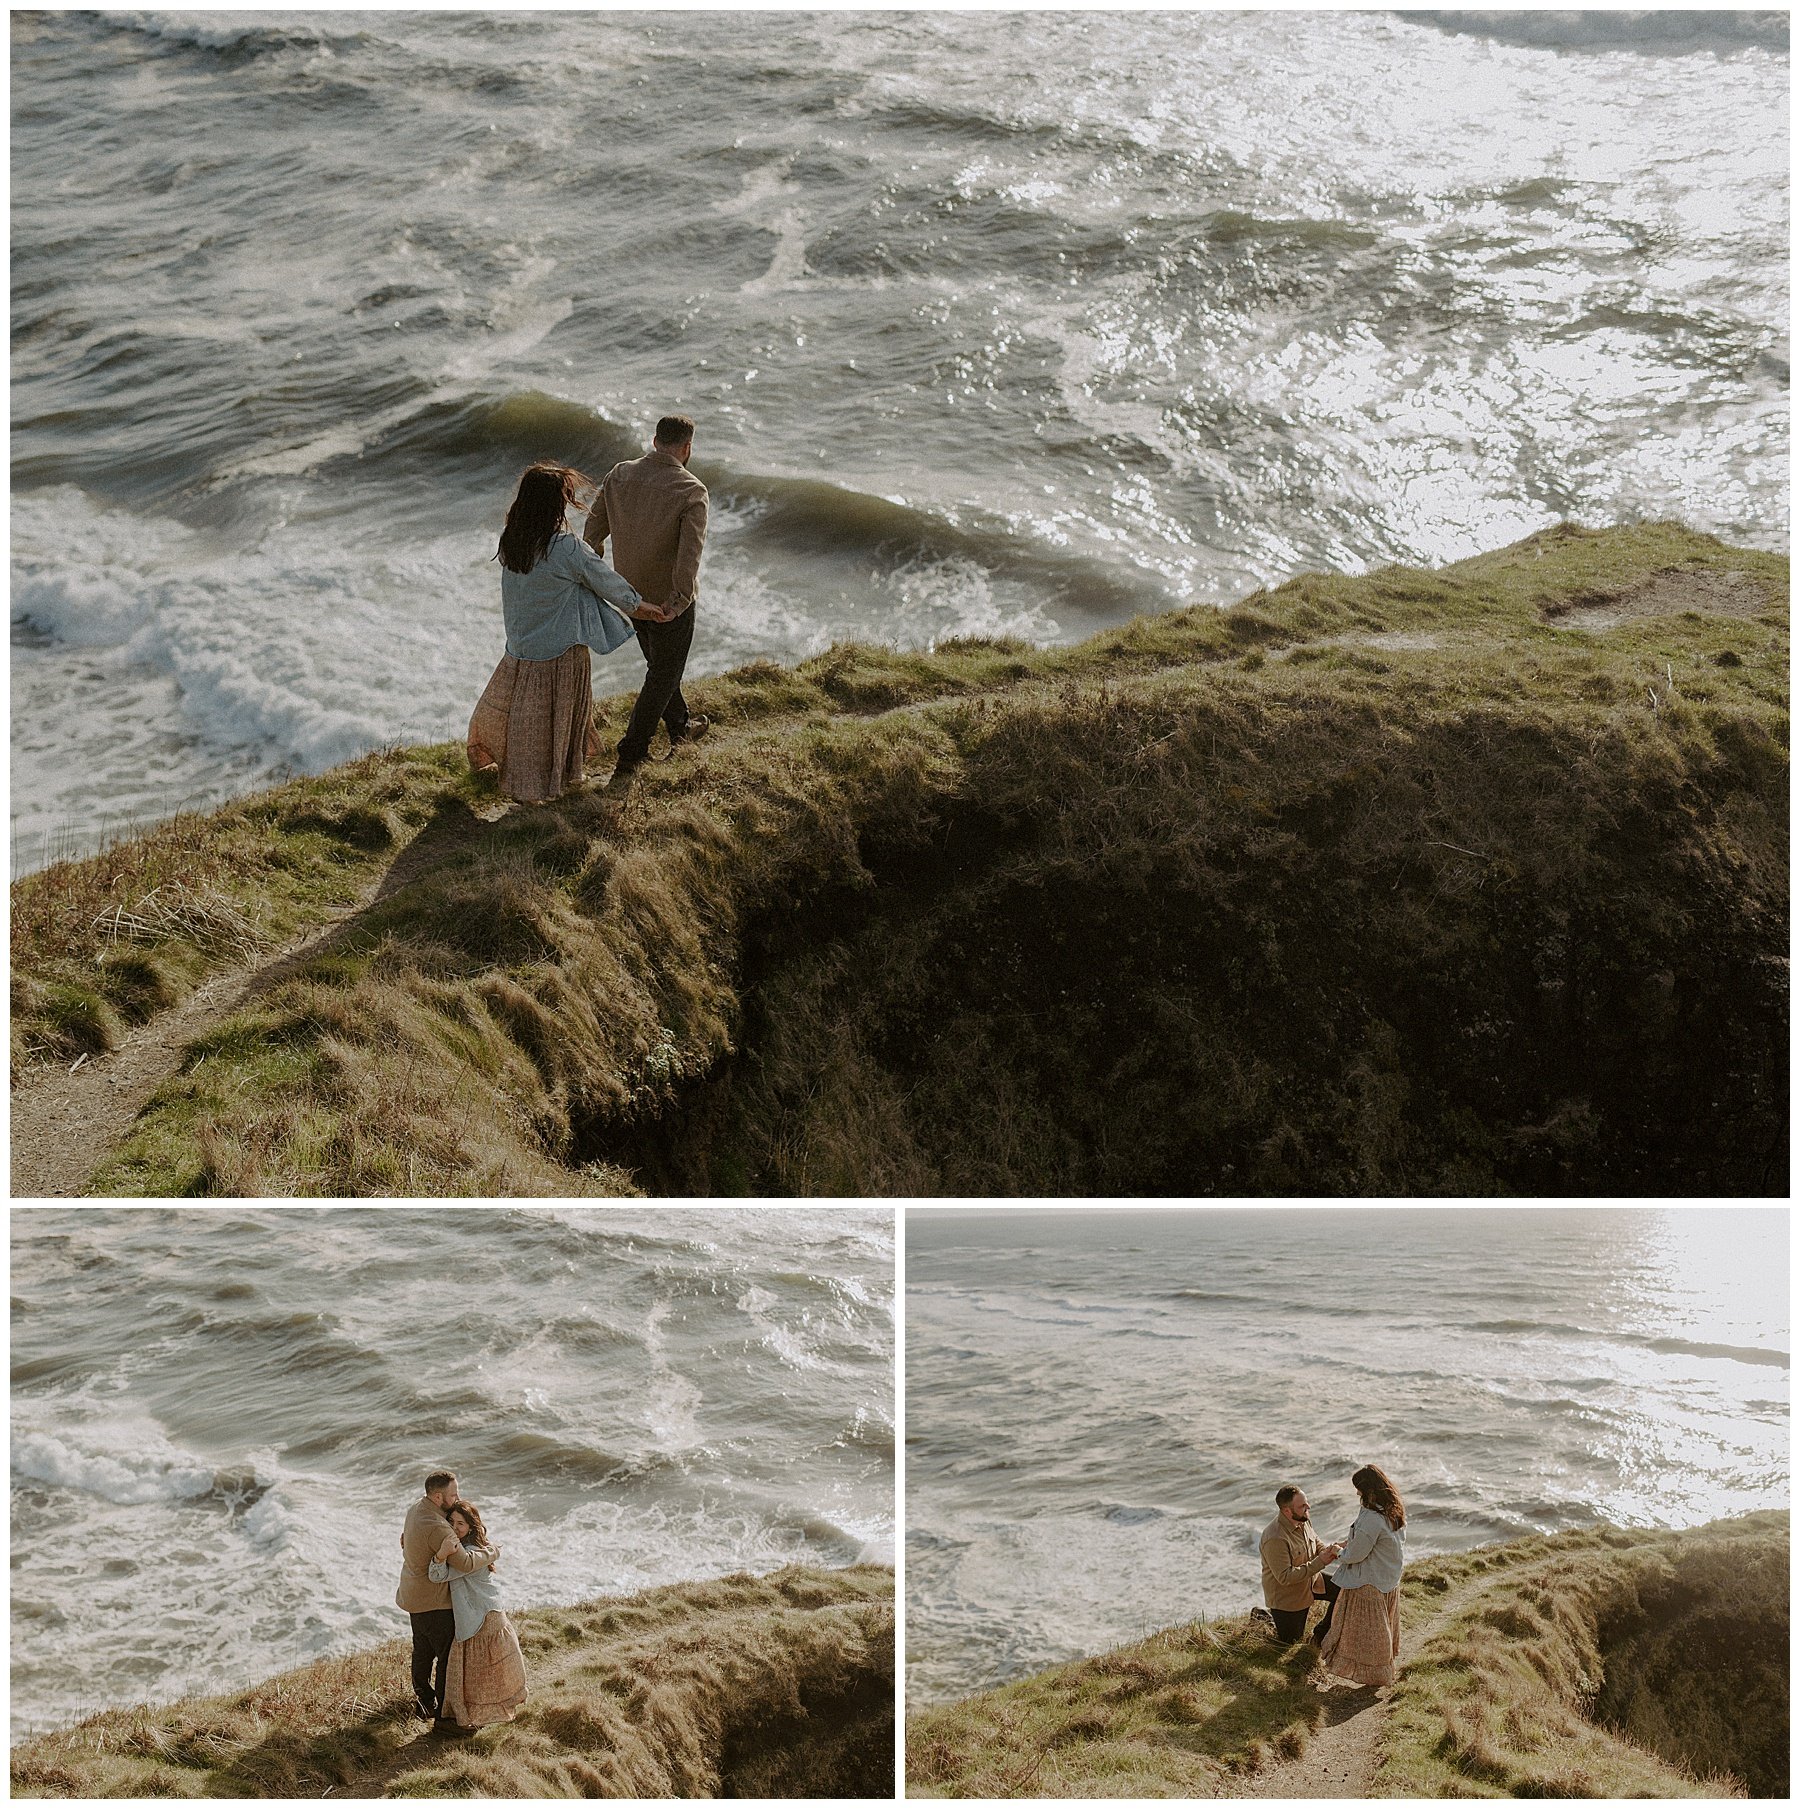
129,1476
288,655
313,650
206,31
672,1408
931,600
270,1522
757,1304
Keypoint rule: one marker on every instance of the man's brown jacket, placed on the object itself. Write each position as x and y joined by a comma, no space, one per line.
425,1530
1291,1558
655,510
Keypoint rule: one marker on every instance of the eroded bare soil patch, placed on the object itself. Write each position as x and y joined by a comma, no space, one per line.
1665,594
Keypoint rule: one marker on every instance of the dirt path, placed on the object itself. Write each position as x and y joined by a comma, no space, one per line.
1339,1760
66,1120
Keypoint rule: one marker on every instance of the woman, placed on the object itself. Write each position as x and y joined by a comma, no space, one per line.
1364,1639
484,1681
534,725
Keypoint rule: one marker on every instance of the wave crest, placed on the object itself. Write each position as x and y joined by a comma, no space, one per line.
134,1478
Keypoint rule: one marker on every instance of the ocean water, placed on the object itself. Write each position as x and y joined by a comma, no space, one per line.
992,323
220,1417
1101,1405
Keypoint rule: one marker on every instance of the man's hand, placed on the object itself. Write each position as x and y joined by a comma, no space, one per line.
1331,1551
651,612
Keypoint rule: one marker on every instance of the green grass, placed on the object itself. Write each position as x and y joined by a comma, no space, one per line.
1367,885
107,942
1189,1712
773,1686
1601,1663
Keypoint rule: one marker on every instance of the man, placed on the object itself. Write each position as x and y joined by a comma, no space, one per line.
655,510
1292,1558
428,1603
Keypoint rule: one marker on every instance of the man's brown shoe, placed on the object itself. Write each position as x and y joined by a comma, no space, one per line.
696,727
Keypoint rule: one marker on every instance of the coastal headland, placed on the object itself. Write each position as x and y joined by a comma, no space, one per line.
767,1687
1467,881
1601,1663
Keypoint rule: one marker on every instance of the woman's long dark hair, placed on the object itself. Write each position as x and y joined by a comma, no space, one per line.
1371,1483
545,491
471,1513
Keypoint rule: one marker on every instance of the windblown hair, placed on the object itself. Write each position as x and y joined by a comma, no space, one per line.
471,1513
545,492
1371,1483
439,1479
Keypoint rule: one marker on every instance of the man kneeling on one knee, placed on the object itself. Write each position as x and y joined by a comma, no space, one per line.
1292,1559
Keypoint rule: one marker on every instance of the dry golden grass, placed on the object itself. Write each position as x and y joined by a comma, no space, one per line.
106,942
773,1686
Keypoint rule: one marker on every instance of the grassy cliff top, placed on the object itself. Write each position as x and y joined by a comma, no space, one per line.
1604,1663
773,1686
1423,881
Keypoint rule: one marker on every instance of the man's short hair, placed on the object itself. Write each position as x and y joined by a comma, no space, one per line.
439,1479
1285,1494
674,430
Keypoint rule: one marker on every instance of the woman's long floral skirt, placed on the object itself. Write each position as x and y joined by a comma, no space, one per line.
484,1681
535,723
1364,1640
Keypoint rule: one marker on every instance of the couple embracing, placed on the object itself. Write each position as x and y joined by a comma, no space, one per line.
467,1670
534,726
1359,1633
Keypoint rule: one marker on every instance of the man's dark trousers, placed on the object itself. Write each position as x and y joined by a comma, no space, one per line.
1290,1623
665,646
434,1633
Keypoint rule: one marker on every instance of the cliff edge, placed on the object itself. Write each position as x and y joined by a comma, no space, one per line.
1462,881
765,1687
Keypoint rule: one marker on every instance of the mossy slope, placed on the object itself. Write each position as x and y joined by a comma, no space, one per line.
778,1686
1461,881
1600,1663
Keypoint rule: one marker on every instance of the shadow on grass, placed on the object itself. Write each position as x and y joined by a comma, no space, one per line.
1258,1721
451,828
1271,1702
452,831
360,1758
